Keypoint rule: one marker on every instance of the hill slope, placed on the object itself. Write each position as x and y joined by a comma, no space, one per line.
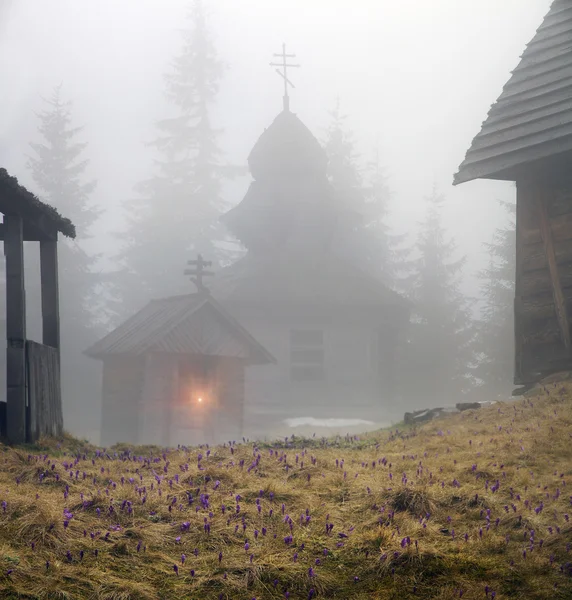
473,506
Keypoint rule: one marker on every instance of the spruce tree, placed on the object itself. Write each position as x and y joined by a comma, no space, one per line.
438,356
176,212
368,240
391,260
58,169
495,339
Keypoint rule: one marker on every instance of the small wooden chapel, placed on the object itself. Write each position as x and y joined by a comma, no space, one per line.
173,373
334,329
527,138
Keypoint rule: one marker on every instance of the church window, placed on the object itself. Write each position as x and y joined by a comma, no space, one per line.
306,355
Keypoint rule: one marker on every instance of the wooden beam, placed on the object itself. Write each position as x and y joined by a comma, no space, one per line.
559,301
33,232
50,293
15,330
522,205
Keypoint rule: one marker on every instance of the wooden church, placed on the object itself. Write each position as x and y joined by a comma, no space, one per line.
173,373
527,138
333,329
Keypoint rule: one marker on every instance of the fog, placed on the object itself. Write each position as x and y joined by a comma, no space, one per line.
415,78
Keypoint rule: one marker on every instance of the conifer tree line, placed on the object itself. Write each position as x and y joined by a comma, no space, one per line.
448,353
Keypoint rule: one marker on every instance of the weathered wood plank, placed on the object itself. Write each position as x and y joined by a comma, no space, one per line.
549,333
15,330
50,293
561,202
45,416
31,233
544,356
561,227
559,300
541,305
539,282
534,257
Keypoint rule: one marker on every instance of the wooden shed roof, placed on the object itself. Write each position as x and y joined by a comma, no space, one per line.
17,200
532,119
189,324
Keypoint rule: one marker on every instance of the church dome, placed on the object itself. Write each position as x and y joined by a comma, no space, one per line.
285,148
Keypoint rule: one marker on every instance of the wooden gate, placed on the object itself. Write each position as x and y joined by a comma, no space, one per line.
43,410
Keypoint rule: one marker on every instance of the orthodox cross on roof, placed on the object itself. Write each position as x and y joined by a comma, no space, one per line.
198,272
284,73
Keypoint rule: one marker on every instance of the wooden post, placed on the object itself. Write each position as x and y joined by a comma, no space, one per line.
15,329
50,293
521,199
559,302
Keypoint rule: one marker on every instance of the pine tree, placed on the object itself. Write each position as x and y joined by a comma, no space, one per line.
439,351
344,172
176,214
495,339
368,240
58,168
391,259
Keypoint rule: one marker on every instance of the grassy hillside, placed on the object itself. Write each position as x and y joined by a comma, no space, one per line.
474,506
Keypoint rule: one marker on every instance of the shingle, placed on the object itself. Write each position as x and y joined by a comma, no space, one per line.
296,279
190,324
532,119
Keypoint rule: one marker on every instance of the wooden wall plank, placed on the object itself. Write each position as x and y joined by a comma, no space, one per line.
561,230
45,416
15,330
559,301
539,282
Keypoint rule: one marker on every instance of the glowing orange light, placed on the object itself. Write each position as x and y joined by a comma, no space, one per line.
199,399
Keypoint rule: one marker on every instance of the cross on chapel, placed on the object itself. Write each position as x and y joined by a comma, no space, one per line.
284,73
198,272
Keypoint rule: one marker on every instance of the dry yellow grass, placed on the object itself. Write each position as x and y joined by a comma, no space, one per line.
473,506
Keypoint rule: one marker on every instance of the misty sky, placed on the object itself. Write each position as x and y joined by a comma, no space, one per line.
415,77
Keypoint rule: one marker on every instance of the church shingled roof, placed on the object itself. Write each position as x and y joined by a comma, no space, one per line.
532,119
287,146
309,281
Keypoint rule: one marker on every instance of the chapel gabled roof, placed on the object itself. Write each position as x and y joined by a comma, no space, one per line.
532,119
190,324
287,147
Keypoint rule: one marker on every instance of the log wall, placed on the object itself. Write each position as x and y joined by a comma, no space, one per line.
543,291
123,380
